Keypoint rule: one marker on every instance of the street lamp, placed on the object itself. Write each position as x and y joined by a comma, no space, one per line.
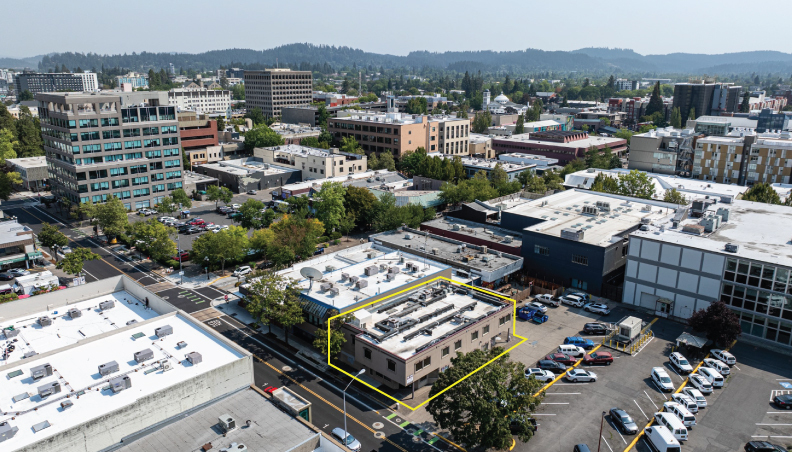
362,371
206,267
599,440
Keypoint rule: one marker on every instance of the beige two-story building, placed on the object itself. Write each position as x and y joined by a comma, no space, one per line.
313,162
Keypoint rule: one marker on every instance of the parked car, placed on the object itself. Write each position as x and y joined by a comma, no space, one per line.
6,277
623,421
236,206
696,395
597,308
576,375
251,192
680,363
17,272
181,257
584,296
223,209
540,374
266,264
537,306
581,448
547,299
718,365
598,358
562,358
346,439
724,356
553,366
192,230
319,251
700,383
65,250
712,375
783,401
164,219
242,271
573,300
661,378
270,389
763,446
572,350
196,221
686,401
588,344
595,329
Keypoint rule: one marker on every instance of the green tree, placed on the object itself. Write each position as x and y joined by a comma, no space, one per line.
498,175
25,96
333,342
28,132
51,237
323,115
502,396
251,215
362,204
8,144
180,197
262,136
573,167
221,125
718,322
636,184
350,145
761,192
745,106
329,204
262,240
257,116
676,118
238,92
289,312
313,142
385,161
295,238
604,183
110,217
153,238
266,293
73,262
625,134
220,247
692,114
224,82
7,122
553,180
217,194
520,126
346,224
673,196
655,102
412,160
531,182
417,106
482,122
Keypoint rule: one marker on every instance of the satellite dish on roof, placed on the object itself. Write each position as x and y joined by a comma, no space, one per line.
310,273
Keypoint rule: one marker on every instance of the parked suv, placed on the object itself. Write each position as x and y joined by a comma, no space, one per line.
595,328
588,344
573,300
661,378
680,363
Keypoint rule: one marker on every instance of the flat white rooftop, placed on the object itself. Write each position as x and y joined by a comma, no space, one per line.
358,179
565,211
760,230
353,263
66,331
583,143
76,370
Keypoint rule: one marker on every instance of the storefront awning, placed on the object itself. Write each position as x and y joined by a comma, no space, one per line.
12,259
34,255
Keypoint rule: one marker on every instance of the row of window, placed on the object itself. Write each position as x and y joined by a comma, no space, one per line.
576,258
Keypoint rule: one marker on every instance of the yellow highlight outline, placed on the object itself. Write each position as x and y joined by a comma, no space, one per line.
488,292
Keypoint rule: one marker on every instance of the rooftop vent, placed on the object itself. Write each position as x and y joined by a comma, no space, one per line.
508,239
408,236
194,358
732,248
227,423
646,220
644,227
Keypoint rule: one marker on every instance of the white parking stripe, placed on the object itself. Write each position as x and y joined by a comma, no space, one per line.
650,399
542,414
735,366
562,393
779,412
642,411
606,443
677,374
769,436
773,424
555,403
617,431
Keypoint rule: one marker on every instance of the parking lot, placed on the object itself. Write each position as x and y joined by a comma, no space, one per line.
571,413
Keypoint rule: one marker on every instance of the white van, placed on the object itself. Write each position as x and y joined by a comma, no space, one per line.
661,439
718,365
712,375
661,378
686,401
684,415
673,424
572,350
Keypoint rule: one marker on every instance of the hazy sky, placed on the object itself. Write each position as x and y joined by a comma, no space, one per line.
667,26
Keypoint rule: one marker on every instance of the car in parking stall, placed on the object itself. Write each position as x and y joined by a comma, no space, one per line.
580,375
539,374
598,357
724,356
562,358
623,421
552,366
547,299
236,206
686,401
6,277
181,257
584,296
718,365
537,306
763,446
783,401
573,300
588,344
687,418
252,192
532,314
572,350
595,329
700,383
713,376
661,378
681,363
696,395
597,308
193,230
242,271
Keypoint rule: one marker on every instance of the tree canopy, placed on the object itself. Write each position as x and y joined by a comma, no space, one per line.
329,204
765,193
261,136
73,262
718,322
153,238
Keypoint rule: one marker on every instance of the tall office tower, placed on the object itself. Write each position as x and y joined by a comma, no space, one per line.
122,144
708,99
272,89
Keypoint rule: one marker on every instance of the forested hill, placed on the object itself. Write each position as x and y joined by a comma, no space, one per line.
324,58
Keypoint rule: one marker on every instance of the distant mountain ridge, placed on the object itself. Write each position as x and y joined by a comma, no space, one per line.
598,60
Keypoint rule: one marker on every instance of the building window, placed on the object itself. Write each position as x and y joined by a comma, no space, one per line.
578,259
421,364
473,336
541,250
392,365
457,345
445,352
485,330
367,353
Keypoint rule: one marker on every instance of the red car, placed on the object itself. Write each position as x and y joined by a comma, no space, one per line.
270,389
562,358
196,222
184,256
598,358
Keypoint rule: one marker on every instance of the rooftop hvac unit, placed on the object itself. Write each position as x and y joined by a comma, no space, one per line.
435,250
6,431
647,207
325,286
330,268
590,210
49,389
644,227
9,333
408,236
394,270
44,321
234,447
723,213
118,384
371,270
485,258
361,284
166,365
194,358
144,355
646,220
227,423
335,291
372,254
66,404
603,206
74,313
108,368
507,239
455,227
383,267
484,249
693,229
344,276
390,276
576,235
732,248
163,331
354,279
30,354
39,372
105,305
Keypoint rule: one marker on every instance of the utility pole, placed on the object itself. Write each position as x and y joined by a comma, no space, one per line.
599,441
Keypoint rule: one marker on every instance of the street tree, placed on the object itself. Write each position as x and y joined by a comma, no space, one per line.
674,196
332,342
153,238
360,202
73,262
484,405
51,237
346,224
636,184
220,247
411,160
553,180
289,312
718,322
7,182
251,215
266,293
166,205
110,217
295,236
262,240
180,197
329,204
28,133
217,194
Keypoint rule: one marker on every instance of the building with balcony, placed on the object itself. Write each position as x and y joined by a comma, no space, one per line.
122,144
663,151
272,89
312,162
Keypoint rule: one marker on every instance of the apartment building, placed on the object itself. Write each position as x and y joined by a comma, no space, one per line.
134,79
401,132
663,151
122,144
314,163
51,82
272,89
744,158
197,133
627,85
200,100
707,98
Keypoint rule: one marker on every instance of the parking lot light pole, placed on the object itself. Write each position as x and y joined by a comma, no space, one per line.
362,371
178,254
599,440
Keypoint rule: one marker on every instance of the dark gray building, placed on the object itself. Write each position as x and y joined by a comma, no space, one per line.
36,82
708,99
249,173
116,143
770,120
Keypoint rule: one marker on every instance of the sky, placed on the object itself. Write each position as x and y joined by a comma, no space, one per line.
668,26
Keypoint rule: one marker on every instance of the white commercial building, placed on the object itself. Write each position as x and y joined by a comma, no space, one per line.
313,162
528,159
200,100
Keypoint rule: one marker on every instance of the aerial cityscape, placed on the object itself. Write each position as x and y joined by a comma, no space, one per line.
566,238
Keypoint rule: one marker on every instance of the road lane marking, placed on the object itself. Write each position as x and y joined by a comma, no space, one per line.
773,424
